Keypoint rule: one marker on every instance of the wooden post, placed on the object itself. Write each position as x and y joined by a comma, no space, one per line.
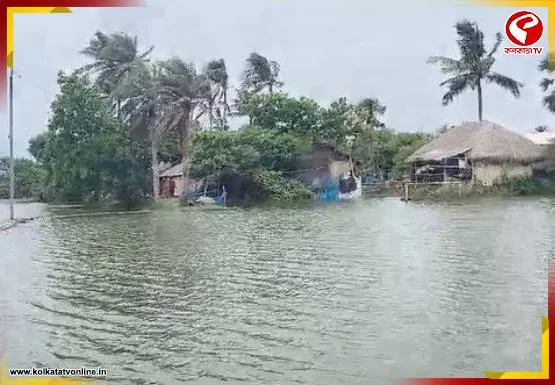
444,171
406,192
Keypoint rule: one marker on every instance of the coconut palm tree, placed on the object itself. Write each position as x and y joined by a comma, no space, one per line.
369,110
474,67
260,73
126,77
182,91
217,106
547,83
114,56
142,109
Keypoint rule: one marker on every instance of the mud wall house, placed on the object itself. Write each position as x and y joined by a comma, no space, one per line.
478,152
176,173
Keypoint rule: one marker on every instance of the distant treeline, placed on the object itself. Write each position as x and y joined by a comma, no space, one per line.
117,117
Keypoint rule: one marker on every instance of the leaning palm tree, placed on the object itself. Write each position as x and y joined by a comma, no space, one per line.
142,108
260,73
369,110
547,84
474,67
114,56
217,107
182,91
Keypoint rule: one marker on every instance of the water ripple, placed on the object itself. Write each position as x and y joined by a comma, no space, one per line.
318,295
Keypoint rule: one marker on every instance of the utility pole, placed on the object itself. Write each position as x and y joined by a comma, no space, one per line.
12,175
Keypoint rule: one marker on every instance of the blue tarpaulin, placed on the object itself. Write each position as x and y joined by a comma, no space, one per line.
329,190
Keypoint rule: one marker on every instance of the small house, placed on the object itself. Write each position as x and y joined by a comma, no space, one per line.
481,152
174,173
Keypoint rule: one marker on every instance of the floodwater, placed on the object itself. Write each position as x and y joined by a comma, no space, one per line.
352,293
23,210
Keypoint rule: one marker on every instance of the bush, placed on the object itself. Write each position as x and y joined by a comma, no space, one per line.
278,188
506,188
29,179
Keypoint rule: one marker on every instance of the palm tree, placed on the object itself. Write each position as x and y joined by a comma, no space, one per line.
473,68
182,91
131,84
142,109
368,110
260,73
547,84
114,56
216,102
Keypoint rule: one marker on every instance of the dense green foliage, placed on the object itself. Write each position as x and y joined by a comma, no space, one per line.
383,152
107,135
268,151
29,179
505,188
244,150
85,153
253,155
274,186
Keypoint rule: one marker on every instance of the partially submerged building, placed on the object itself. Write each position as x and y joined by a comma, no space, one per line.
481,152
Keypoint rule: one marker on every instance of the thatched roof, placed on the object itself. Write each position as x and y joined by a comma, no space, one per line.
481,141
173,171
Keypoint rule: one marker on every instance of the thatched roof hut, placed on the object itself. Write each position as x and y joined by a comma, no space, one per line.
173,171
481,141
481,152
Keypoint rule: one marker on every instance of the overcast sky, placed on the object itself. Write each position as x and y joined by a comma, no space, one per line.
326,48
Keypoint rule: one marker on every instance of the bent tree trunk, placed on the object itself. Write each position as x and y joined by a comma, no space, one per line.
185,158
480,102
154,158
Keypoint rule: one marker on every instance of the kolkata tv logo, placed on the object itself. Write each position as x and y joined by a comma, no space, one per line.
524,29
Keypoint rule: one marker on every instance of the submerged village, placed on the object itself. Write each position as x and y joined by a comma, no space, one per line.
128,128
172,228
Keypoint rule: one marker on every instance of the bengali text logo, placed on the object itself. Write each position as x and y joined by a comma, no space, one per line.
524,29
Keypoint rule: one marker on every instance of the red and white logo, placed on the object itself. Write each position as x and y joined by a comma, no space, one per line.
524,28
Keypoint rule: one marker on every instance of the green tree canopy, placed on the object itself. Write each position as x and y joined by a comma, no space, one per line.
86,155
279,111
260,73
29,179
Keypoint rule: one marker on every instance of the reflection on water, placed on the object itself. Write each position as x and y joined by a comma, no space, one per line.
317,295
